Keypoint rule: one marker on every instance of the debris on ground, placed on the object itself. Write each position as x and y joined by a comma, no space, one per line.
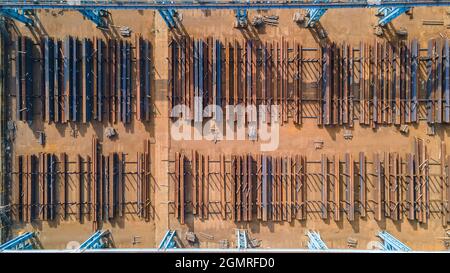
110,132
261,20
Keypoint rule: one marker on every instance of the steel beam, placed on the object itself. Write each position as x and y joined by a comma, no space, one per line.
242,241
389,14
15,15
95,15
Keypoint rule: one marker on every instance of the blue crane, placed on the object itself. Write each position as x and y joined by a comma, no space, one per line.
22,242
390,243
315,242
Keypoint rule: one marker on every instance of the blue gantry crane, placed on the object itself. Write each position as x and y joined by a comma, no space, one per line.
93,10
169,241
96,16
242,240
24,241
98,240
315,242
168,16
388,14
390,243
315,14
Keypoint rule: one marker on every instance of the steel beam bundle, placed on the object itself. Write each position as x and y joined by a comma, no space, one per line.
169,240
227,74
85,80
16,15
168,17
43,183
263,187
143,80
242,241
378,83
95,15
273,188
151,4
143,184
389,14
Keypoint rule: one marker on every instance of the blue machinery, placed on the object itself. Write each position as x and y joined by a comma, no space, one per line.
242,239
21,242
315,14
315,242
389,14
390,243
98,240
389,9
169,241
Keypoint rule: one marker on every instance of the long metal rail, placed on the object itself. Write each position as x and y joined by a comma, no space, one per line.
225,4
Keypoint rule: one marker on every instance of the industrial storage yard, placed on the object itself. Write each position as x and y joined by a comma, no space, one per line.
90,151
